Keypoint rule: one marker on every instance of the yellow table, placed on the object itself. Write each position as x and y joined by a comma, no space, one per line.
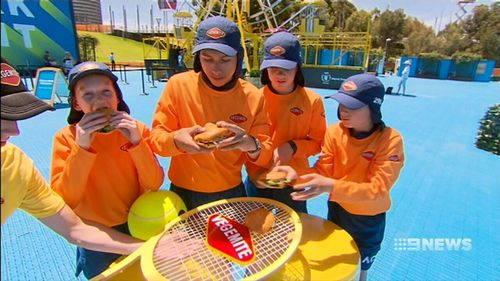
325,252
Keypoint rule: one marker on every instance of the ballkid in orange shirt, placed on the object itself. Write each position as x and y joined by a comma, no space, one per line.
23,186
213,93
360,162
100,174
296,115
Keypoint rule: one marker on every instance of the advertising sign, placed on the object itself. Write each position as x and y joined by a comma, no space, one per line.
31,27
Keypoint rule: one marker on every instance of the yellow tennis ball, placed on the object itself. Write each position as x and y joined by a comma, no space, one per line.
152,211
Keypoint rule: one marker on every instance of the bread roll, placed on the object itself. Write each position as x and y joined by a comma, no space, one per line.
260,220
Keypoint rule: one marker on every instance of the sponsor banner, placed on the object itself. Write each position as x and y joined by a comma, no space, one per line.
327,78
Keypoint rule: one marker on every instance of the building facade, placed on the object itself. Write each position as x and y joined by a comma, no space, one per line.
87,11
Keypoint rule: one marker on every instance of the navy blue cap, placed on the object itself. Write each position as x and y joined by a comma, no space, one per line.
88,68
220,34
282,50
361,90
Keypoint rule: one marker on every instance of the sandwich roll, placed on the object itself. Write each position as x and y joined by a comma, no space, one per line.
108,112
274,179
212,136
260,220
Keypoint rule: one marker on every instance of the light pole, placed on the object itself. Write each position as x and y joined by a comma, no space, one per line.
158,20
385,48
380,69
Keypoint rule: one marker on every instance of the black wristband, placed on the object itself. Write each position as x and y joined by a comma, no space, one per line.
293,145
257,145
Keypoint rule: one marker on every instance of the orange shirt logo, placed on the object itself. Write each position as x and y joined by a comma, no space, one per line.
296,111
394,158
238,118
277,51
9,75
368,155
215,33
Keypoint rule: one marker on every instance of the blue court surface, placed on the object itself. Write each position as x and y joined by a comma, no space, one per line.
445,219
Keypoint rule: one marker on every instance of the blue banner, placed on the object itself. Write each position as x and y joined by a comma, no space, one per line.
29,28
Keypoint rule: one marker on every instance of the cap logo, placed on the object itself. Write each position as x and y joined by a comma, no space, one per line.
215,33
377,100
277,51
349,86
9,75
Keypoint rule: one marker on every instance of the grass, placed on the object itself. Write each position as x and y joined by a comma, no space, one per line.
125,50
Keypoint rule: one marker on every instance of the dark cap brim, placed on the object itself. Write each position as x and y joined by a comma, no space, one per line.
223,48
281,63
347,101
23,105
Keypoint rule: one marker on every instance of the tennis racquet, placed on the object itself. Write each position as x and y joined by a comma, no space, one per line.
271,249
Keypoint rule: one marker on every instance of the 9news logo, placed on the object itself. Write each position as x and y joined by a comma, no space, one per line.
432,244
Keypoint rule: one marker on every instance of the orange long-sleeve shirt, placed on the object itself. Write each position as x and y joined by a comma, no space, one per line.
100,184
298,116
188,101
364,169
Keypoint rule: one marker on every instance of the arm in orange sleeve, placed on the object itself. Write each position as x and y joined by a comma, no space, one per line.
325,163
150,171
381,176
317,128
70,169
165,123
260,129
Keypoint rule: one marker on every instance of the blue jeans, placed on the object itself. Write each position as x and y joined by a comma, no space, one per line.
281,195
367,231
193,199
92,263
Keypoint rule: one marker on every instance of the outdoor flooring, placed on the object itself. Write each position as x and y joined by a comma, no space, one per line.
448,189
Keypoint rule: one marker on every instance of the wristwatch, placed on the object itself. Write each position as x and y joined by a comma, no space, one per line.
258,147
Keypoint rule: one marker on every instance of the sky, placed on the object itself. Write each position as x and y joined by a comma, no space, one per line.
434,13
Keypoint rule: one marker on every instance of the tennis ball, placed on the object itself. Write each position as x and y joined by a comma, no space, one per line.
152,211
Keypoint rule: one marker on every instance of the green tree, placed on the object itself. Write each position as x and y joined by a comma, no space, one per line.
358,21
390,24
336,13
452,39
87,45
420,38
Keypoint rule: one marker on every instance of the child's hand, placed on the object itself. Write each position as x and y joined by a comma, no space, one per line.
312,185
283,154
240,140
127,125
183,140
291,174
89,123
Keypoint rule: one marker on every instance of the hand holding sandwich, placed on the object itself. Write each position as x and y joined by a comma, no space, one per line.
90,123
309,185
184,140
241,140
126,125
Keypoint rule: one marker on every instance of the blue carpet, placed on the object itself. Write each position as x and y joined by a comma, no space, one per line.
448,189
